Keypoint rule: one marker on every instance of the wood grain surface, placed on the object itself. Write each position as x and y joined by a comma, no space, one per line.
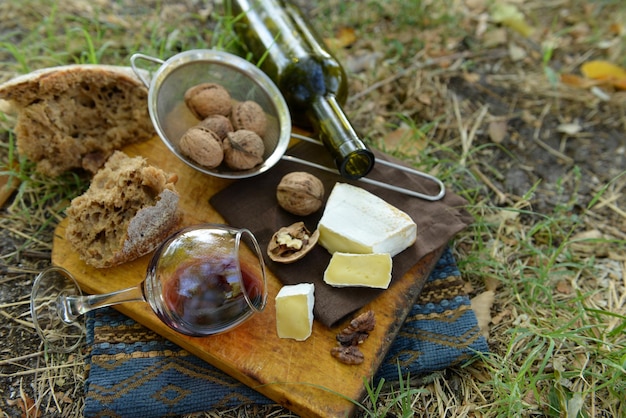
302,376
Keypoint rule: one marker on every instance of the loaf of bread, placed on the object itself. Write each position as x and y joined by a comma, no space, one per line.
128,210
75,116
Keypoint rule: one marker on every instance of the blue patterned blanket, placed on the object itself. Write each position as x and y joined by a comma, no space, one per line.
135,372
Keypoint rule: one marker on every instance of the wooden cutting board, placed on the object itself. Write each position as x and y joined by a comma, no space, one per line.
302,376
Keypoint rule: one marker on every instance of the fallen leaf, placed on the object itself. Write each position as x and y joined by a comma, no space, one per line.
522,320
502,216
27,405
510,16
495,37
471,77
602,69
424,98
619,84
480,375
580,360
492,283
8,184
360,62
530,398
579,30
405,139
499,317
497,130
590,242
516,53
600,94
605,71
481,305
476,5
575,404
617,29
577,81
607,43
569,128
482,23
344,38
564,287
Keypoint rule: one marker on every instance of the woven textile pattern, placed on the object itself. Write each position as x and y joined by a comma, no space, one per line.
440,330
133,371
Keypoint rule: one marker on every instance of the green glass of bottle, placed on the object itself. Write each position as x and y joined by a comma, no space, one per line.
311,80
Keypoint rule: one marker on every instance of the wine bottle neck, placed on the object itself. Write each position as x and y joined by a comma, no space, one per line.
352,157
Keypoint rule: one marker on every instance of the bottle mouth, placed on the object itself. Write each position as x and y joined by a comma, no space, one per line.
357,164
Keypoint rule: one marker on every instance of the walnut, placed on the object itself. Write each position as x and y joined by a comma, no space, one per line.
208,99
243,150
202,146
351,337
300,193
219,124
249,115
291,243
358,330
350,355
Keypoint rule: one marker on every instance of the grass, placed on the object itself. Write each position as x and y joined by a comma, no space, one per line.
557,324
565,350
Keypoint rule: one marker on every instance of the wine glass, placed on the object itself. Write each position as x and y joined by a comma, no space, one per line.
200,281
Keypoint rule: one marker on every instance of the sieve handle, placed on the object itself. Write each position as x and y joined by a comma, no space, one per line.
432,198
137,70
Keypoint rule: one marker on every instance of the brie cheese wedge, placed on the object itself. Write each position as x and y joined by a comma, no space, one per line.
356,221
364,270
294,311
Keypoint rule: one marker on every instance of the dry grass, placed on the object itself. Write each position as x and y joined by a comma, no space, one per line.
447,88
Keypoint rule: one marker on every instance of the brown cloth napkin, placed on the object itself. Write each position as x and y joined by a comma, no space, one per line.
251,203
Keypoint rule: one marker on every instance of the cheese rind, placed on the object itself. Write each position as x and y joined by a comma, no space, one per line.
356,221
365,270
294,311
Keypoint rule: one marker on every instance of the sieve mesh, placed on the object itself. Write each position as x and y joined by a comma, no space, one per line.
243,80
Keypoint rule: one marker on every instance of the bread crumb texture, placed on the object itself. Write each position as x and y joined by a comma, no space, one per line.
128,210
75,116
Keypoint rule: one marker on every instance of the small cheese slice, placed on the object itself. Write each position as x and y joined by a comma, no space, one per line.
356,221
369,270
294,311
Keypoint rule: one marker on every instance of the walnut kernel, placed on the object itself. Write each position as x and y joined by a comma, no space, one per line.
291,243
358,330
351,337
300,193
350,355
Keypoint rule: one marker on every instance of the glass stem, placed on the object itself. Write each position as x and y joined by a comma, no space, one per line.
71,307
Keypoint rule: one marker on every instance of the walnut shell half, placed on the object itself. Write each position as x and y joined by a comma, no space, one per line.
291,243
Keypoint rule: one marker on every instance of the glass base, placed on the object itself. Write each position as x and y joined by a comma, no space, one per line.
49,289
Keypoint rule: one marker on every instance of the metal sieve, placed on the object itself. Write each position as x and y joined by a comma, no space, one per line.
244,81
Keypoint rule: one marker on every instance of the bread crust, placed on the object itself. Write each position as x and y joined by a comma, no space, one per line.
75,116
128,210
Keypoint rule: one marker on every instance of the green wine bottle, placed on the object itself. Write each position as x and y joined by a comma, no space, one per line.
310,78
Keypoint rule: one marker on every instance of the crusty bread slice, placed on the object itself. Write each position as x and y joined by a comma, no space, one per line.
75,116
128,210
